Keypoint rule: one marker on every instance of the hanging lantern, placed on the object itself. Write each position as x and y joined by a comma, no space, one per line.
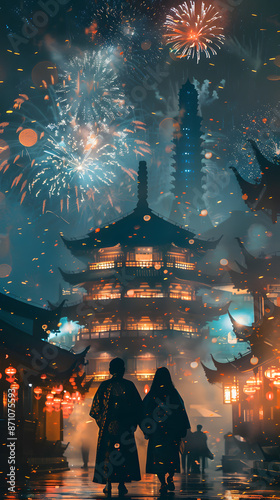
254,382
56,404
37,392
10,372
269,396
249,390
276,383
231,392
49,406
146,389
43,376
15,388
254,360
49,397
0,376
272,372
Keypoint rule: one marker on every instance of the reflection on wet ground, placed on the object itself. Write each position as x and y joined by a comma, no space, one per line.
76,484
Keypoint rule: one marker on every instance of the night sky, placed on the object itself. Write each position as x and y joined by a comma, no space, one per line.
238,99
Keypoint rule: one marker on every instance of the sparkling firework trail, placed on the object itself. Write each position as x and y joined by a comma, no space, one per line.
67,165
91,90
193,29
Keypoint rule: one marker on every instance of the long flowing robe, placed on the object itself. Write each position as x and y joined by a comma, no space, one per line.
117,409
165,423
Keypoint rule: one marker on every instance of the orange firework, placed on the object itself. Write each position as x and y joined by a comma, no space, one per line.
194,28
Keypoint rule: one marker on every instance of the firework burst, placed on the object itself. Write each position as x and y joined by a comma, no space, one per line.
193,29
91,91
128,27
64,165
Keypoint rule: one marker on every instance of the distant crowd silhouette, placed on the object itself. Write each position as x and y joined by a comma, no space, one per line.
118,410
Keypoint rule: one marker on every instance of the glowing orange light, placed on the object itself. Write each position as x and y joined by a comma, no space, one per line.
38,392
203,213
10,372
194,364
269,396
28,137
254,360
208,155
224,262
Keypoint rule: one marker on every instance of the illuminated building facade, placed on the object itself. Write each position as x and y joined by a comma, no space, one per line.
47,381
251,382
187,165
141,280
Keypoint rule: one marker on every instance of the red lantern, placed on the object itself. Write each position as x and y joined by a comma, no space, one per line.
15,388
56,404
49,406
43,376
272,372
37,392
10,371
249,390
146,389
269,396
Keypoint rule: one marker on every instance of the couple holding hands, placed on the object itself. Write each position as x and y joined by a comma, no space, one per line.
118,409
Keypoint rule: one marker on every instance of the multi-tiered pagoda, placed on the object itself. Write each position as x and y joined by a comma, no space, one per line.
142,278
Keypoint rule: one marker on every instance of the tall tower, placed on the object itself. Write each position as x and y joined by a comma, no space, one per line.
187,141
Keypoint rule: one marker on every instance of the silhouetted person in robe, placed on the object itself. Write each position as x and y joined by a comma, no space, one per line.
165,422
200,449
117,409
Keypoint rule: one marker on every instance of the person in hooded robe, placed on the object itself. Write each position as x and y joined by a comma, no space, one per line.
117,409
165,422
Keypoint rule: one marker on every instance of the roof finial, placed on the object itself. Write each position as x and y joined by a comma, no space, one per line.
142,185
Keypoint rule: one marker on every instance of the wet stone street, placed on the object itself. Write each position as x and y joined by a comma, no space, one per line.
76,484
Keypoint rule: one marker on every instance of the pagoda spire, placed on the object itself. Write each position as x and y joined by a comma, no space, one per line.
142,185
